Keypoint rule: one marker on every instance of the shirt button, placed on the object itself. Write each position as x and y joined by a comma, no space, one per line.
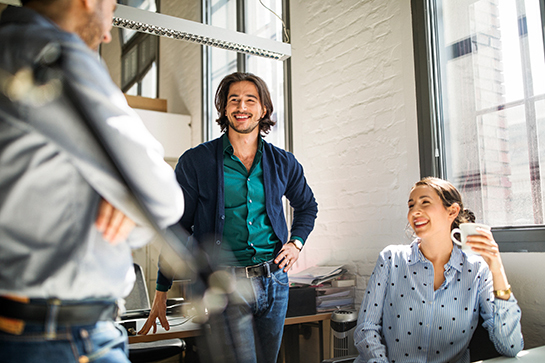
250,223
218,242
248,179
251,244
250,201
222,217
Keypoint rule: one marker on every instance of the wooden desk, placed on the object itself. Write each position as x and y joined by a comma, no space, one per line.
534,355
190,330
183,331
290,350
307,318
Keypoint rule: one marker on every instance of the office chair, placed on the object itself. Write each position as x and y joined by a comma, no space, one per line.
480,346
138,302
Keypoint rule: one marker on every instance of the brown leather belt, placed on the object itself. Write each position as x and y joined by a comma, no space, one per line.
62,312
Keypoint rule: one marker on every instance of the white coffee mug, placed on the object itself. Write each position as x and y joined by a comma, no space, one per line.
466,229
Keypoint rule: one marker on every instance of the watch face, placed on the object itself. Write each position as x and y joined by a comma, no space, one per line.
297,244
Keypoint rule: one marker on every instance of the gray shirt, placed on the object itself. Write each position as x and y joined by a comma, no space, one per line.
53,173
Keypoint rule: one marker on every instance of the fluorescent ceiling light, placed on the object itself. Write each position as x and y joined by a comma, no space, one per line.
169,26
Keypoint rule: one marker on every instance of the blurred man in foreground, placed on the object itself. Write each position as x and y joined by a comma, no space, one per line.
67,220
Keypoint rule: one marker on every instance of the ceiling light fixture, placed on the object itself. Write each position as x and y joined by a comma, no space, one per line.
169,26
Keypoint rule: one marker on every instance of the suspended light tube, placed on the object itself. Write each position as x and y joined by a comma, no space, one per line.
176,28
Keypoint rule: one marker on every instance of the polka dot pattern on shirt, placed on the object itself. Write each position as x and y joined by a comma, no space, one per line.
412,311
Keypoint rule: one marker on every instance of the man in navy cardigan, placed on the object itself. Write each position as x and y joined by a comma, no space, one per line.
233,188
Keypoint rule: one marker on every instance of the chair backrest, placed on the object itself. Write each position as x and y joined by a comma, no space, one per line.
480,346
138,298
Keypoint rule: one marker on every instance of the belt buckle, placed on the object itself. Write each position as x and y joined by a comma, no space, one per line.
254,271
53,307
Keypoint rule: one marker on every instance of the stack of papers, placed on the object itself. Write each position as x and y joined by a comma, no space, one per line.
317,275
333,298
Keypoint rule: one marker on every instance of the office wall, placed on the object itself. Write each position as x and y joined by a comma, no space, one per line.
354,124
355,132
526,273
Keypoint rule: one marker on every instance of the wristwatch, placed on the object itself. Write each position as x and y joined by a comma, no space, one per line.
297,244
499,293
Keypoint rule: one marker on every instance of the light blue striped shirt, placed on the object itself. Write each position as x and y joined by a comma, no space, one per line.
403,319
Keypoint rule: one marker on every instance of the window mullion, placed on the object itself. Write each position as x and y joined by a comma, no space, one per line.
241,27
530,112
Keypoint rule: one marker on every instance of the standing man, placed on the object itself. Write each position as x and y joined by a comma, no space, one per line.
67,220
233,188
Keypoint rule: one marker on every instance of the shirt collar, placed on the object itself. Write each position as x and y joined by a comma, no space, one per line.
228,148
416,255
456,260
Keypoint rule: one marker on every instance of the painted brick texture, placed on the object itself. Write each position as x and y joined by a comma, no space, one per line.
354,126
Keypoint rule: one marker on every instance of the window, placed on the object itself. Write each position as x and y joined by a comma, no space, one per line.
481,110
139,66
139,56
256,18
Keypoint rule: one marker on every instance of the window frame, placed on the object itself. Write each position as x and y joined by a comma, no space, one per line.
430,131
136,42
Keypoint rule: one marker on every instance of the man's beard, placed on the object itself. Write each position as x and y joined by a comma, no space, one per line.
91,31
243,131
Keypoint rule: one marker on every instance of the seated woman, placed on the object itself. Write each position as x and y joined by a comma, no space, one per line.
423,301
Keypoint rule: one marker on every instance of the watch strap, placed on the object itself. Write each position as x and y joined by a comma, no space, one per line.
297,244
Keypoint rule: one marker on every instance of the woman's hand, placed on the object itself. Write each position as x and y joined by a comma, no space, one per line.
484,244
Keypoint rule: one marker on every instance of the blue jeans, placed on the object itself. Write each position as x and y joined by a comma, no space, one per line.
251,327
103,342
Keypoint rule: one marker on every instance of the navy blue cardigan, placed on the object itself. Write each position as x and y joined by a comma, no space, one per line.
200,174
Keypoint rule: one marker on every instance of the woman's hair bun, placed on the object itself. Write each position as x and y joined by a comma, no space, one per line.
469,215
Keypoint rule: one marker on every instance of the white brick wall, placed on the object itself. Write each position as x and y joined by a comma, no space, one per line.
354,125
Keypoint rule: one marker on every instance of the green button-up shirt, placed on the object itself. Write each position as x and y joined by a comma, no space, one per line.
248,232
